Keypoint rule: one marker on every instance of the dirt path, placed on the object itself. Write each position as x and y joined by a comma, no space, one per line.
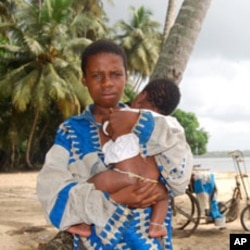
23,227
22,224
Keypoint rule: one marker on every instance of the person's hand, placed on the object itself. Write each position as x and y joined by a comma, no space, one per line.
142,194
161,189
121,122
83,230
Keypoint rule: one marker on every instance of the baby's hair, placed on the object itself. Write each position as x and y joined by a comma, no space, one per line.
164,94
102,46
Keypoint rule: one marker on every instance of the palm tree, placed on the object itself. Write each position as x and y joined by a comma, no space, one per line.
42,58
170,18
7,10
140,39
179,44
92,23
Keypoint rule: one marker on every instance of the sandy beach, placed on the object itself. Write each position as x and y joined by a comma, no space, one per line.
23,227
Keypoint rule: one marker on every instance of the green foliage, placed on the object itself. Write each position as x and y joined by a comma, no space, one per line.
129,93
40,69
40,76
196,137
141,40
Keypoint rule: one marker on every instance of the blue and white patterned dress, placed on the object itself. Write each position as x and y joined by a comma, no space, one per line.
76,155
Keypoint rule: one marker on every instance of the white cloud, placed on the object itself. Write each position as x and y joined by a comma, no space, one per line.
217,91
216,83
226,136
224,30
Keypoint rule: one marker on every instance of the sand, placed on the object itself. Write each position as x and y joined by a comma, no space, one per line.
23,226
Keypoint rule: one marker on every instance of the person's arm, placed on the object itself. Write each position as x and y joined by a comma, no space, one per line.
140,195
167,141
67,198
134,193
109,181
177,166
157,133
163,137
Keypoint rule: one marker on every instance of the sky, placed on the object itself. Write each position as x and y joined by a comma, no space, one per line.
215,84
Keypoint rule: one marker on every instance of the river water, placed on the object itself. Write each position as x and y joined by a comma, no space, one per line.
223,164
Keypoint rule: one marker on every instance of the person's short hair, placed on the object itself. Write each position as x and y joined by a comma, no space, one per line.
102,46
164,94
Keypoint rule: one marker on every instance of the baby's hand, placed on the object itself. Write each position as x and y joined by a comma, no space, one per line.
139,195
121,123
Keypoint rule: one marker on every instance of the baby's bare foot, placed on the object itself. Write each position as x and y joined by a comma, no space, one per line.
83,230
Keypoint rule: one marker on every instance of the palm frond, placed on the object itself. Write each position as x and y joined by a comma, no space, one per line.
33,45
23,90
10,48
77,45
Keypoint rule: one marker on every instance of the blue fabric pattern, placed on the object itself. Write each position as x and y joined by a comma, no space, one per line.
58,209
146,120
127,228
208,187
131,232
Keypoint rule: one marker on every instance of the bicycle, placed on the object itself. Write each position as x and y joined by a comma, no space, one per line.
187,211
240,165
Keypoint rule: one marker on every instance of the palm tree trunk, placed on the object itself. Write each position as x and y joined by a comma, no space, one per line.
43,131
180,42
13,155
31,135
170,18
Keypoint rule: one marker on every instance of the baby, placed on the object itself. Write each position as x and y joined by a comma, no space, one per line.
161,96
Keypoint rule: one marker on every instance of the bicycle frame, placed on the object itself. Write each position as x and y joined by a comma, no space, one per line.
240,166
189,217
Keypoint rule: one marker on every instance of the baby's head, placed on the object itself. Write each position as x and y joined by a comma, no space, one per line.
160,95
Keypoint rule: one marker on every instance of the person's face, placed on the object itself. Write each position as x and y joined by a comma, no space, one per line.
105,78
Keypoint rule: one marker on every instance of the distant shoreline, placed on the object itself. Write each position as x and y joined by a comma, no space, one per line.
215,154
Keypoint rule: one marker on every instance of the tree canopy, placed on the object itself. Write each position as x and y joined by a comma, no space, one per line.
40,76
196,137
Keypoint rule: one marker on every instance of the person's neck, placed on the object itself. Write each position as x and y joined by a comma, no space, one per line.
102,112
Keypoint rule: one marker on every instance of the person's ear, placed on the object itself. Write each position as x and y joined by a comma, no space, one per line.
84,81
139,100
142,97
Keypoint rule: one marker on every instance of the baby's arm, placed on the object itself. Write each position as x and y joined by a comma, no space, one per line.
109,181
161,136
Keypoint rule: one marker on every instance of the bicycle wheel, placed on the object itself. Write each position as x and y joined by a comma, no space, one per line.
232,206
245,218
186,214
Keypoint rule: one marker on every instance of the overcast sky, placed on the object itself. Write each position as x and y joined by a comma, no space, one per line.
215,85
